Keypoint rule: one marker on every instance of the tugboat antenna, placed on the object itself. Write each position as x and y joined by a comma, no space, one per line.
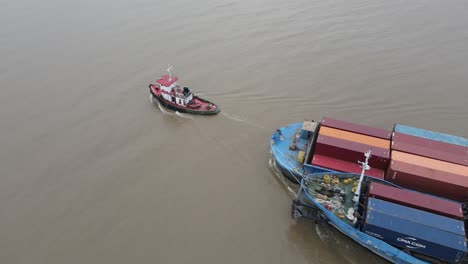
169,69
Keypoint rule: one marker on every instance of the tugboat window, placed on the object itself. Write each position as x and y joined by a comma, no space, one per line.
186,91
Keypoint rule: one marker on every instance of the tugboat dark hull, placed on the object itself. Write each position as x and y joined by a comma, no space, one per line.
208,108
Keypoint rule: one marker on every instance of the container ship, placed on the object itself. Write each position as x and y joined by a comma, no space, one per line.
402,194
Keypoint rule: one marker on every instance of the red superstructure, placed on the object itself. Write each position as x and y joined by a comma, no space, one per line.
167,80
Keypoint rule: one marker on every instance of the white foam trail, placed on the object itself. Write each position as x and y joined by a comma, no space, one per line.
170,113
233,117
183,116
238,119
162,109
292,189
322,235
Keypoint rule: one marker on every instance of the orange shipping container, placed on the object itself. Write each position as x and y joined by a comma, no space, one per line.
359,138
429,163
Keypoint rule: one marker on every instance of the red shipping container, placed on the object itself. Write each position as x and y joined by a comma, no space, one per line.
351,151
430,148
344,166
429,163
357,128
416,200
428,180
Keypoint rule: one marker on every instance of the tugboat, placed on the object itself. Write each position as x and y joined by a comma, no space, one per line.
169,93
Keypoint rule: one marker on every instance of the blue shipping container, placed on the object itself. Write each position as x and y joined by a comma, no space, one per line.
424,239
417,216
419,132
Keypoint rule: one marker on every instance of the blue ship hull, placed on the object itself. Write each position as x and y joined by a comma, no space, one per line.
286,159
305,205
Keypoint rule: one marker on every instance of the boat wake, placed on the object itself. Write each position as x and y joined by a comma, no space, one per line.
323,236
170,113
290,187
241,120
343,246
163,110
183,116
232,117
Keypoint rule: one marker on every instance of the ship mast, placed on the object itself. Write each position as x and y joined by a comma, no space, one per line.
365,167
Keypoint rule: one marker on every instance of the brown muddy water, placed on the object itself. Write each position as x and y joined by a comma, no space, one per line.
91,172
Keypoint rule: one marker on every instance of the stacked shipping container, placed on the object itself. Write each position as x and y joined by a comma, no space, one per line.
344,166
340,145
429,234
429,162
420,160
430,148
350,150
431,135
416,200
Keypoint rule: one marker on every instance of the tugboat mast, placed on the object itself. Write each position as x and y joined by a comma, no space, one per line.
169,69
